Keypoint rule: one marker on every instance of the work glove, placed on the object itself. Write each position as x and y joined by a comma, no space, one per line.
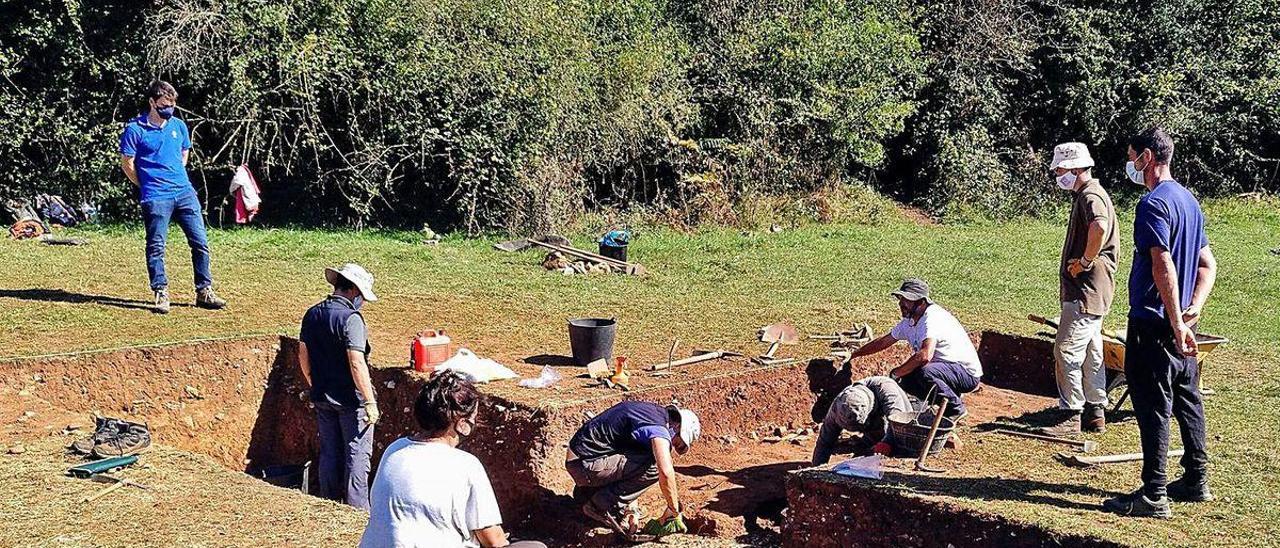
662,528
371,413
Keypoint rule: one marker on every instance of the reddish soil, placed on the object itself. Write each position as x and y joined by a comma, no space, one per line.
241,402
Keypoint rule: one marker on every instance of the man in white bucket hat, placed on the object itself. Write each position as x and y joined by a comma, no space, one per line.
334,356
1087,285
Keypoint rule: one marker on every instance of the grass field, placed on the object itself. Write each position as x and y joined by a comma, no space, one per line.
710,288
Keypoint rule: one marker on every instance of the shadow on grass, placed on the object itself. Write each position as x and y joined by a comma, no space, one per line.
996,488
61,296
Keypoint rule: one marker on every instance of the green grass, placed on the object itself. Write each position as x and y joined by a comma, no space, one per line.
710,288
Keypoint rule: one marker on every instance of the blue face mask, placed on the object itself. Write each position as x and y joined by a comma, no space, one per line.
166,112
357,302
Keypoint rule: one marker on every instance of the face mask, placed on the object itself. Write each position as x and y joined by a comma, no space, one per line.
166,112
1134,175
1067,181
357,302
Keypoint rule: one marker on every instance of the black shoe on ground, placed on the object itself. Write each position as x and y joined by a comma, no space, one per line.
1182,490
1137,505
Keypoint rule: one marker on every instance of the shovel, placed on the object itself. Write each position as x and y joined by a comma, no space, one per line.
928,444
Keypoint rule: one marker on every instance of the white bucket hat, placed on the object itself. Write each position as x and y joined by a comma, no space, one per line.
1071,156
690,428
355,274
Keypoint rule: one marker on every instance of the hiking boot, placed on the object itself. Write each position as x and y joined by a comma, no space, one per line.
162,301
206,298
131,440
1183,490
1136,504
1094,418
1066,424
103,428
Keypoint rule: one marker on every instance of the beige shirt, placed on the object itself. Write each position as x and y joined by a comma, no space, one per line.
1095,288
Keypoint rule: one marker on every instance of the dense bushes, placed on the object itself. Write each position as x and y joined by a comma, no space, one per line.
520,115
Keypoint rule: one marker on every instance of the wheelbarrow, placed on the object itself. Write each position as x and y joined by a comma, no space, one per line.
1113,355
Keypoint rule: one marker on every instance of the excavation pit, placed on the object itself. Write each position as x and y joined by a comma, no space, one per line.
240,402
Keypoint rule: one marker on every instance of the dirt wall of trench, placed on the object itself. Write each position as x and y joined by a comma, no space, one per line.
198,396
831,511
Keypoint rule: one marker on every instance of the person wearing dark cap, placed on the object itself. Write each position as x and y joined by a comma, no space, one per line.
623,451
944,363
334,357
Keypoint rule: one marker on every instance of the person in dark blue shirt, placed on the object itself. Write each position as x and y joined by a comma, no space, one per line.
1173,273
333,355
624,450
154,148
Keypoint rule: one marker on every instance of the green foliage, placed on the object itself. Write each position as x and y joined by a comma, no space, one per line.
525,115
1012,78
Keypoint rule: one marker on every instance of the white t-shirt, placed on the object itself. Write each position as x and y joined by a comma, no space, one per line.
953,344
428,494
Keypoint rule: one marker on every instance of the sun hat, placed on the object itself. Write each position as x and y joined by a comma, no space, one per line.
355,274
690,428
913,289
1071,156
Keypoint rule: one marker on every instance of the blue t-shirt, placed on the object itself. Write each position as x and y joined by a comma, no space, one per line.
626,428
157,154
1168,217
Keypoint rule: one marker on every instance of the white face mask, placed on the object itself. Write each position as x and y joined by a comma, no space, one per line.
1067,181
1134,175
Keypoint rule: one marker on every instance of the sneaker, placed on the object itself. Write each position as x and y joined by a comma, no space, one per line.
603,517
206,298
132,439
1067,423
1136,504
162,301
1094,418
1182,490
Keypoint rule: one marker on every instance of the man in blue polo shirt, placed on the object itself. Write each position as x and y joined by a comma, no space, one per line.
1173,273
153,153
624,450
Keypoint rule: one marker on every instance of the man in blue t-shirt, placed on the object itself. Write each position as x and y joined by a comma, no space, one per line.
153,153
1173,273
624,450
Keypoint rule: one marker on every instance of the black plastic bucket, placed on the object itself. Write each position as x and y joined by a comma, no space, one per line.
591,339
618,252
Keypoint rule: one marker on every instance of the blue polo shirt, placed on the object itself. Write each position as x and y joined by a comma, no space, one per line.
157,155
1168,217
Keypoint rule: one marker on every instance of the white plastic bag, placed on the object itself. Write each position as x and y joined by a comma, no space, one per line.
476,368
870,467
548,378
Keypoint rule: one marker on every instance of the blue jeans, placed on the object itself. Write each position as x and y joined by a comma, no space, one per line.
946,380
186,210
346,448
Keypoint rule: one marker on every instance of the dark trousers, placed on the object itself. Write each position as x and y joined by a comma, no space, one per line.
186,210
614,481
346,447
1163,383
946,380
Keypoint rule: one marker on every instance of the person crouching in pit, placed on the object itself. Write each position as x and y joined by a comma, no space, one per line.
620,453
861,407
